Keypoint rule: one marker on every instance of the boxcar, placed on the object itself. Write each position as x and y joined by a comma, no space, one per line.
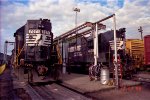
147,50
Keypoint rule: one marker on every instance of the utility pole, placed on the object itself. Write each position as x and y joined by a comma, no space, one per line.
76,21
141,31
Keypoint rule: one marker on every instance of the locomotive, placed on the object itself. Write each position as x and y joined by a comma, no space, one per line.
81,53
34,48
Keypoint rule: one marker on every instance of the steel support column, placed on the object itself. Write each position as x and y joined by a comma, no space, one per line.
115,52
95,44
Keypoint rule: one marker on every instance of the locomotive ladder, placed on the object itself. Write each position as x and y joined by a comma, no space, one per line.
19,54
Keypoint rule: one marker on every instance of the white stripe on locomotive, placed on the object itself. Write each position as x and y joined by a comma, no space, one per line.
40,39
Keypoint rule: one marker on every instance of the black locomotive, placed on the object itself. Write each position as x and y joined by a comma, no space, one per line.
81,55
34,47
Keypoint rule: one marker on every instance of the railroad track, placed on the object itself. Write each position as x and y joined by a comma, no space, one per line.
141,79
43,93
57,92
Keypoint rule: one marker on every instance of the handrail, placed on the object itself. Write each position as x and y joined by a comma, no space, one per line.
19,53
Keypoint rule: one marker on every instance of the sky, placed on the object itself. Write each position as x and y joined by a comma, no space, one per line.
130,14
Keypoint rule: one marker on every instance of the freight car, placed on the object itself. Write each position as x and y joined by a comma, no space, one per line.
35,50
139,50
147,51
135,49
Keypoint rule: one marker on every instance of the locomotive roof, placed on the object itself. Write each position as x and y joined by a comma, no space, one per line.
20,30
46,22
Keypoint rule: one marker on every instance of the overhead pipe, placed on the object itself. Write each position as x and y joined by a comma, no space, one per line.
86,24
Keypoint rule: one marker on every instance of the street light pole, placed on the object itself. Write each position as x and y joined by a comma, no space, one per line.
76,21
76,10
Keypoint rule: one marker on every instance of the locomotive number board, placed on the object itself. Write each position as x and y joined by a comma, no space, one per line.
38,37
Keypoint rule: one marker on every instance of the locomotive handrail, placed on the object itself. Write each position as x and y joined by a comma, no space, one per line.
19,53
21,50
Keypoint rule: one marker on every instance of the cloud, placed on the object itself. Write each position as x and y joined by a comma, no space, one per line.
131,14
112,3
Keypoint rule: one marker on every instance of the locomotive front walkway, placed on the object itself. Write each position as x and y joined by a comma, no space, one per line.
82,83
